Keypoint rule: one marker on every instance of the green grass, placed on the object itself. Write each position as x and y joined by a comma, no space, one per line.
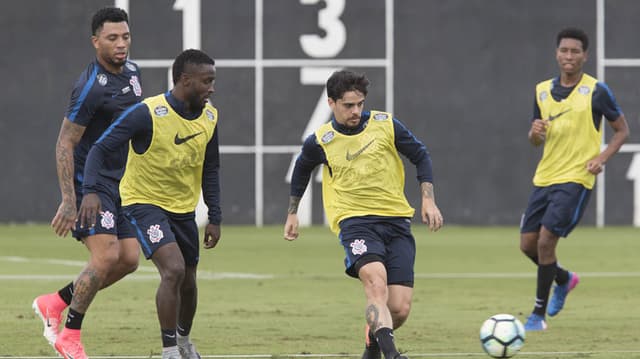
305,303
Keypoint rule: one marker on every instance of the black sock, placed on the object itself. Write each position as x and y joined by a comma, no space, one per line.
384,336
184,330
169,338
562,275
372,344
66,293
74,319
546,275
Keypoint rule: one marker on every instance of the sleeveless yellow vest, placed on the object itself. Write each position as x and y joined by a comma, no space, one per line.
169,173
571,140
365,175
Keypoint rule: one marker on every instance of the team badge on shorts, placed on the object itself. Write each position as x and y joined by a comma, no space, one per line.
107,221
358,247
155,233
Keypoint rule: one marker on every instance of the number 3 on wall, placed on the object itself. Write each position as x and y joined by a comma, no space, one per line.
328,20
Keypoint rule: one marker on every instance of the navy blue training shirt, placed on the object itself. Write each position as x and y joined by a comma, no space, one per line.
97,99
312,154
136,125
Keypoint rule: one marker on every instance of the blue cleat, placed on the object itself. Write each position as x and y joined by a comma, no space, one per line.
535,322
560,294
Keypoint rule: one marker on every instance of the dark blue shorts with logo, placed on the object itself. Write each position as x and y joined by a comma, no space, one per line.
110,220
379,239
558,208
156,227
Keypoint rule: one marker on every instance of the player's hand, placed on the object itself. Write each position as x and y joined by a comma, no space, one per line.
211,235
539,129
291,227
595,166
65,218
431,215
89,210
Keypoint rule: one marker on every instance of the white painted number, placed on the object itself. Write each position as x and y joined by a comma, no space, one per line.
190,22
329,21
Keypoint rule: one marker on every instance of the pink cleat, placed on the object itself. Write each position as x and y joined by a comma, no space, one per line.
69,346
560,294
49,308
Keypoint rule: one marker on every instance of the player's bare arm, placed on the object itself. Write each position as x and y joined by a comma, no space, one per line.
68,138
620,135
430,213
291,226
538,131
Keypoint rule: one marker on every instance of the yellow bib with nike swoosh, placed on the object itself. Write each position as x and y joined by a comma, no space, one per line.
572,139
169,173
365,175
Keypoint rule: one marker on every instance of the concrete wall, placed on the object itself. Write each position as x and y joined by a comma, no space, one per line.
459,73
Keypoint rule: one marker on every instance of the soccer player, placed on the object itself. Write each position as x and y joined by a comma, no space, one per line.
364,201
173,153
567,120
107,87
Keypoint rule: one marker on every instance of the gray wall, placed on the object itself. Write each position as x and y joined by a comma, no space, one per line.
464,75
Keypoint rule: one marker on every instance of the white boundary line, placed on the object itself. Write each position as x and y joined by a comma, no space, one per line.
413,355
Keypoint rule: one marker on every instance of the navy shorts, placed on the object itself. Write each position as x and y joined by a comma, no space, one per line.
110,220
558,208
379,239
156,227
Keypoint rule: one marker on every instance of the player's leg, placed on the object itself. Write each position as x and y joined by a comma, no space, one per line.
158,243
547,269
128,242
362,246
170,264
187,312
103,249
186,231
399,303
570,201
373,276
128,257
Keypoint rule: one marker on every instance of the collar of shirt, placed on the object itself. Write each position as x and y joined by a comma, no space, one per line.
179,107
364,118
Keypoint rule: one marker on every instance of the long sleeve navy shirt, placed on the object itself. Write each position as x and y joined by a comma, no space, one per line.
312,154
135,124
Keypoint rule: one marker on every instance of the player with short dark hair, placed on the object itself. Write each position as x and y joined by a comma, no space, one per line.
173,153
106,88
364,201
567,120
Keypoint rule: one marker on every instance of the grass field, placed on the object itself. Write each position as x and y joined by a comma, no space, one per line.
263,296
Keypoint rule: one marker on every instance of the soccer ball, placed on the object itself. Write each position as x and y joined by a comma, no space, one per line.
502,336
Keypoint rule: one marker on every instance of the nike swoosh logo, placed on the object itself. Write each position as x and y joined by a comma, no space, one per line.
67,354
48,323
180,140
553,117
351,157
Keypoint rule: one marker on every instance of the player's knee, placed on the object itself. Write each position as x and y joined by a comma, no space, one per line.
129,263
400,313
172,273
